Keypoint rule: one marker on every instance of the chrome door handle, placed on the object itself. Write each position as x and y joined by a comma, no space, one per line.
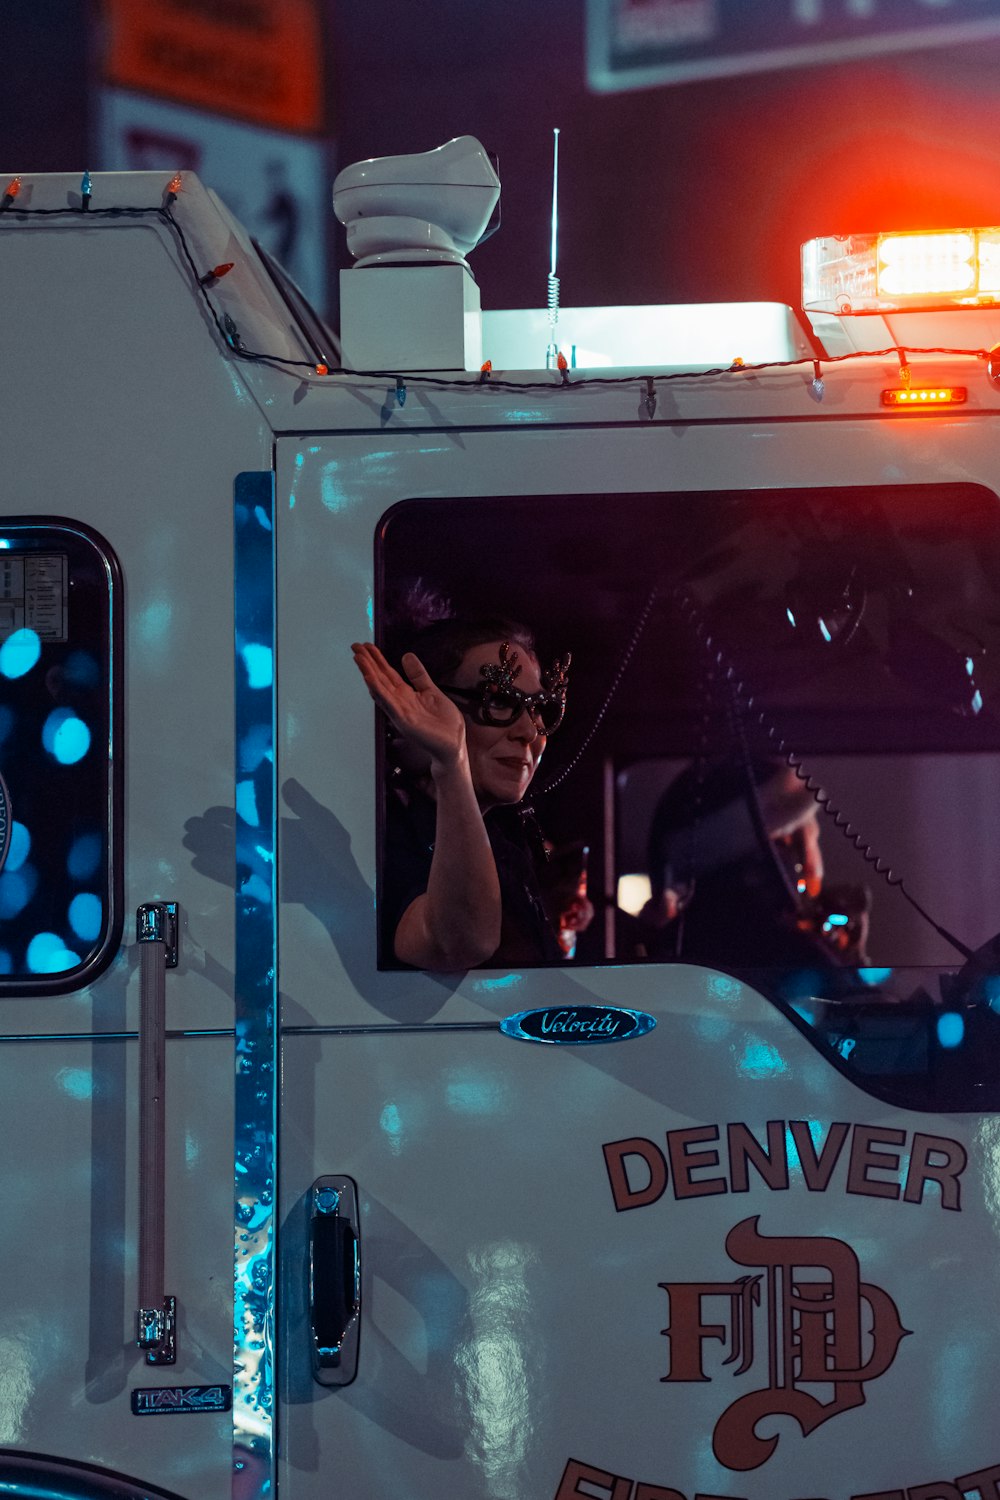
334,1280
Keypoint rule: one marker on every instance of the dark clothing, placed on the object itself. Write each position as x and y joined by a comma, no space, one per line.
741,916
526,936
737,887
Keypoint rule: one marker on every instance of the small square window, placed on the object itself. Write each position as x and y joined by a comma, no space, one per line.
60,756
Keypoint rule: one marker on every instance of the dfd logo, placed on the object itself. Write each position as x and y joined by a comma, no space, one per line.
814,1335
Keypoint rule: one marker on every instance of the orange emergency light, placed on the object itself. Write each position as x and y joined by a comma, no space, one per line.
861,273
925,396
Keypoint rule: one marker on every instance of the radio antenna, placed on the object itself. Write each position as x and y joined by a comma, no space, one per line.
552,351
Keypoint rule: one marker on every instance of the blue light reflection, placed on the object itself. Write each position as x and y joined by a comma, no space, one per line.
815,1129
86,915
950,1029
19,653
874,976
255,747
84,857
48,954
246,803
20,846
65,737
259,662
153,622
16,889
82,669
761,1060
470,1092
391,1124
78,1083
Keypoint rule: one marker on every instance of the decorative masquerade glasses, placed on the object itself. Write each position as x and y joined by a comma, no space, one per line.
496,701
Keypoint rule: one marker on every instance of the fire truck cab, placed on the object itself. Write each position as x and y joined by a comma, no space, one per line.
707,1206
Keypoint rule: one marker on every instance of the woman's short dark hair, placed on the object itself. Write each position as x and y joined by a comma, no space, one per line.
442,645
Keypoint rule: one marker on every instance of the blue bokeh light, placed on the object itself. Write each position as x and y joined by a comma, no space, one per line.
48,954
20,846
19,653
16,889
81,668
86,915
84,857
950,1029
65,736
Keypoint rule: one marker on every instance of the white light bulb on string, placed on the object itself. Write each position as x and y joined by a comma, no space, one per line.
817,386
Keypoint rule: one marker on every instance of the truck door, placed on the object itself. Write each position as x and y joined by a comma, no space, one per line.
104,670
716,1258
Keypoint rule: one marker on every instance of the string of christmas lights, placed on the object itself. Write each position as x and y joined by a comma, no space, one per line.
561,377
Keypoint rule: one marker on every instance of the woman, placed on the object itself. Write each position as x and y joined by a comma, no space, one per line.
473,710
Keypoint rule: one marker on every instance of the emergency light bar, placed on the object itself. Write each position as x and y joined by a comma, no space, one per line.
896,272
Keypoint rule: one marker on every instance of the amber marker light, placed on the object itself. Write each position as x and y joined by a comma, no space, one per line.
925,396
216,273
11,192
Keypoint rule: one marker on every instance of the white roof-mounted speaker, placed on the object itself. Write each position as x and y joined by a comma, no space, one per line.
432,206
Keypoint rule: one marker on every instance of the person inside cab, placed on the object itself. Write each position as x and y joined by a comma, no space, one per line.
471,710
736,874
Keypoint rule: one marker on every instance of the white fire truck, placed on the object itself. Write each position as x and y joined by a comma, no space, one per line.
708,1208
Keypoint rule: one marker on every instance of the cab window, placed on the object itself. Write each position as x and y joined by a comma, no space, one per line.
781,746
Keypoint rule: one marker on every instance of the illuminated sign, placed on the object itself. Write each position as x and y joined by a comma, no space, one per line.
638,43
273,182
259,60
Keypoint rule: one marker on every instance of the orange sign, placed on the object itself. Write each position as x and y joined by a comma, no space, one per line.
261,60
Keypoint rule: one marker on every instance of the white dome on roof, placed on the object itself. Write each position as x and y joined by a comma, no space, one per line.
431,205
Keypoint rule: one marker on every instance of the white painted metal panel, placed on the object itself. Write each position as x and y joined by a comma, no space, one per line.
332,492
514,1320
68,1360
513,1338
120,413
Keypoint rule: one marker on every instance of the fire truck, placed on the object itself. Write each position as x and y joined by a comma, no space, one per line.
707,1209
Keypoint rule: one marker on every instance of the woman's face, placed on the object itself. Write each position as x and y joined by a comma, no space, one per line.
502,758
